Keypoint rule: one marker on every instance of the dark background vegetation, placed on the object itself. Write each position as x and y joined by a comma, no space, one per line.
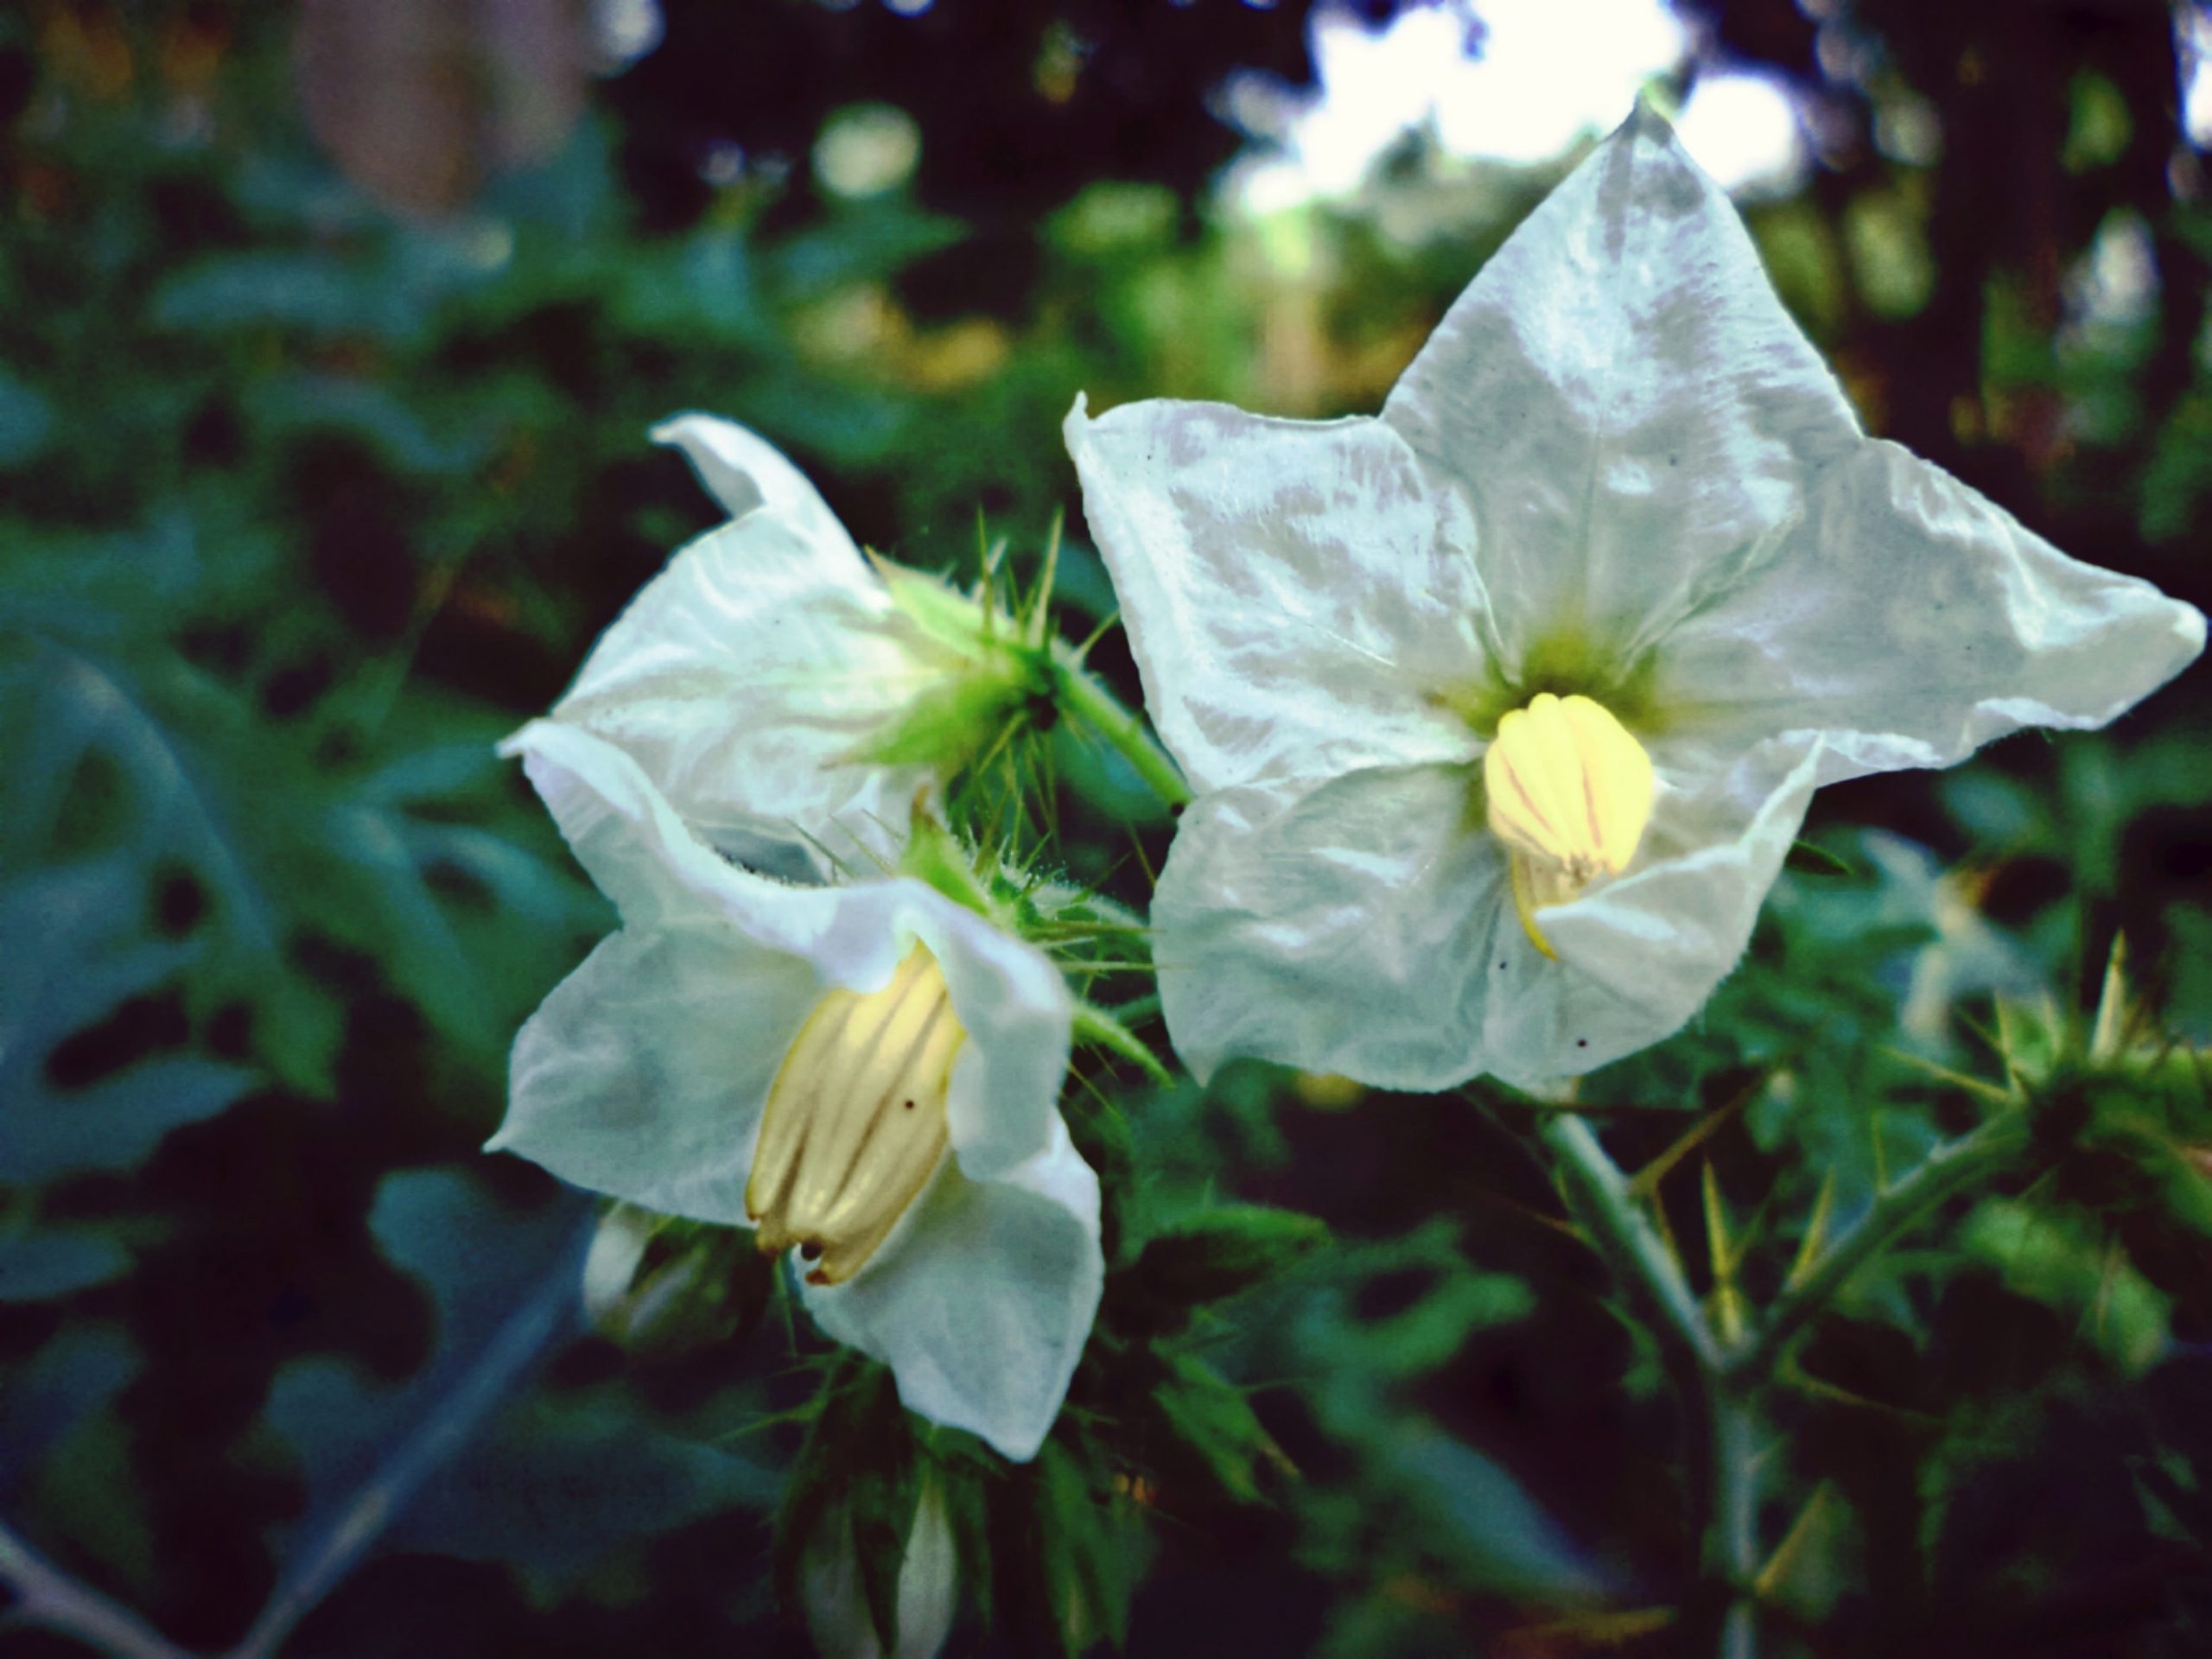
325,371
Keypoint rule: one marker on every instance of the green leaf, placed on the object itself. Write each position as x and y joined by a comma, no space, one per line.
1807,858
1476,1517
1215,1419
45,1265
561,1484
26,421
1213,1254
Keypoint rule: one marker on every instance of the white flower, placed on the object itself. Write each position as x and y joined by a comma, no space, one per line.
1617,474
869,1073
787,696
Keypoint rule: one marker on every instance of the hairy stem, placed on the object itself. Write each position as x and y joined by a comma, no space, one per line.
1080,694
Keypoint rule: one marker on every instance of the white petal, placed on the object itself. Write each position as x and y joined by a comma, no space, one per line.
743,471
1908,620
659,872
744,674
1368,929
1623,399
1350,932
1638,956
1010,999
644,1074
1294,598
981,1301
1014,1005
623,831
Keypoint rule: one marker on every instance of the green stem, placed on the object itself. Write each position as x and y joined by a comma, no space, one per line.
1721,1415
1080,694
1635,1252
46,1598
1733,1539
1949,1169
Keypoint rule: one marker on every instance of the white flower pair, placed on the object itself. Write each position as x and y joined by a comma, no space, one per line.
861,1067
1501,710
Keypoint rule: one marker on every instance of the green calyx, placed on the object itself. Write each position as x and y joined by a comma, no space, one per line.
992,674
1089,937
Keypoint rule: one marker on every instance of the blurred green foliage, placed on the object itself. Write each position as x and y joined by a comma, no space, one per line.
304,503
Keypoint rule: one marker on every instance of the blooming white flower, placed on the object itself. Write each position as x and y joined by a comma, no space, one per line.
869,1073
787,695
1503,708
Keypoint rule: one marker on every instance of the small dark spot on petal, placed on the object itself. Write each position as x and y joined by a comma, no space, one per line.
910,1105
1582,1042
1501,967
811,1251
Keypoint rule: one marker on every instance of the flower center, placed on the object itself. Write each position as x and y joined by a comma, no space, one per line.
1568,791
856,1123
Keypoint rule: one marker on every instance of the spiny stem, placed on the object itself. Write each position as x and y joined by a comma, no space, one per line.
1081,694
1949,1169
1733,1538
1628,1243
1643,1264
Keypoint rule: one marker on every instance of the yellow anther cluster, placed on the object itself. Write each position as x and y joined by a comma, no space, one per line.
856,1123
1568,790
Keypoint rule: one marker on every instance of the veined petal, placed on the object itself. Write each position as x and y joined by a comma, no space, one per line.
1347,931
1623,401
743,677
1368,928
1908,620
742,470
981,1301
644,1073
1001,1110
1295,599
1636,957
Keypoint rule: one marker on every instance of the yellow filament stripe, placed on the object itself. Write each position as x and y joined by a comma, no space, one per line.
855,1122
1566,784
1568,790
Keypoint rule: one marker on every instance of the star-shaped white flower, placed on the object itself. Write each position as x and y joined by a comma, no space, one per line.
758,676
1503,708
869,1073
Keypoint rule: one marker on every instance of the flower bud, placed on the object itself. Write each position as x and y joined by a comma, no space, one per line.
929,1588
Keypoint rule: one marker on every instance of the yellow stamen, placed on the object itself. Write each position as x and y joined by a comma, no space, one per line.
855,1123
1568,790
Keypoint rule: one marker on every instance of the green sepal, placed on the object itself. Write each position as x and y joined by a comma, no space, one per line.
938,858
991,677
858,1458
1807,858
1100,1029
